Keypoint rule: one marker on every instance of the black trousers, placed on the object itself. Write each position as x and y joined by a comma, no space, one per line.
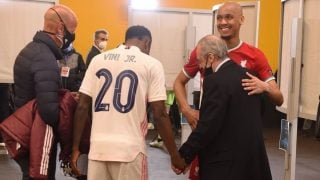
4,103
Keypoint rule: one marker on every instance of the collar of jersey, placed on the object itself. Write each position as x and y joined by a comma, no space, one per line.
240,43
135,48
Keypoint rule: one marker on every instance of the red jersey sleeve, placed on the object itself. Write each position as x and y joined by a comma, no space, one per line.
191,68
262,67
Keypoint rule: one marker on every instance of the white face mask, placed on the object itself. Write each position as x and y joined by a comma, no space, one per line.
60,38
102,45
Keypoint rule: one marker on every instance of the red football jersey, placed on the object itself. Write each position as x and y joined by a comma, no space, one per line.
244,54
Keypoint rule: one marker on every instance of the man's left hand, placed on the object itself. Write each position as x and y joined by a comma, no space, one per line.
254,85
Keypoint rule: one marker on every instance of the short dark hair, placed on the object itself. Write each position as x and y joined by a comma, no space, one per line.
137,32
100,31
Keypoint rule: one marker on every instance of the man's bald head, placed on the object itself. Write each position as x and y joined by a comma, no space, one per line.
60,14
234,6
60,22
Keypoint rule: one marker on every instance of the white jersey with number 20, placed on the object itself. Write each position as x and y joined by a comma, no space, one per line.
121,81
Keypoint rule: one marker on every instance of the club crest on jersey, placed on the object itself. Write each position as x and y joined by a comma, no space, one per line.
243,63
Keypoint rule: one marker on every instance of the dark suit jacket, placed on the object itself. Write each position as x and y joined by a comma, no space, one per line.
228,137
93,52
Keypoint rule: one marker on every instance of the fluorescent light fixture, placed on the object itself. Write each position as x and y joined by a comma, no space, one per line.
144,4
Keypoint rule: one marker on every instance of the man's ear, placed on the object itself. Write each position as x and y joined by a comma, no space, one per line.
147,44
241,19
211,58
60,29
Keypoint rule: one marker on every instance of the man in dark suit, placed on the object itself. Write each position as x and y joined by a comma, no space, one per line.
99,44
228,138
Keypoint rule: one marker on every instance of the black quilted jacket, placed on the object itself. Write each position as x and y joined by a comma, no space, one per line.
36,75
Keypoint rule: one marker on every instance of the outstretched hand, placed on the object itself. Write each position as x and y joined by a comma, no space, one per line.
254,85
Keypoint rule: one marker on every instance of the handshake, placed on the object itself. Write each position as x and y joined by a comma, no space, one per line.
178,164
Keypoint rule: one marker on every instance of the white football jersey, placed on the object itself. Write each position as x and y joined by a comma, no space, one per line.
121,81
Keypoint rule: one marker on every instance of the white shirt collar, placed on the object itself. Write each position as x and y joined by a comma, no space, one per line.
219,65
97,48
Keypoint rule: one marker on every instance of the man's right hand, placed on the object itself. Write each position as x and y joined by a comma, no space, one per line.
178,164
74,158
192,116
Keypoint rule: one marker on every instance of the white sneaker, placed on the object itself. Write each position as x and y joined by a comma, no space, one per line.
157,143
150,126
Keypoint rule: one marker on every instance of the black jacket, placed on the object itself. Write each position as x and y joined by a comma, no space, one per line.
36,75
93,52
228,137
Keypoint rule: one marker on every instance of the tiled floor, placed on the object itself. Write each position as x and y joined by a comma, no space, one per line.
308,160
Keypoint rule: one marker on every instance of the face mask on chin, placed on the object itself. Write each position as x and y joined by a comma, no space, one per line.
68,50
102,45
208,71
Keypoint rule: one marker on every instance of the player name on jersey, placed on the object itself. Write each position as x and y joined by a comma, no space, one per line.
116,57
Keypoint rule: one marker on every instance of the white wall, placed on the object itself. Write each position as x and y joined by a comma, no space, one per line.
19,22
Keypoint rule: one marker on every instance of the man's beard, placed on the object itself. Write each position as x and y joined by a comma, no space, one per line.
226,38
